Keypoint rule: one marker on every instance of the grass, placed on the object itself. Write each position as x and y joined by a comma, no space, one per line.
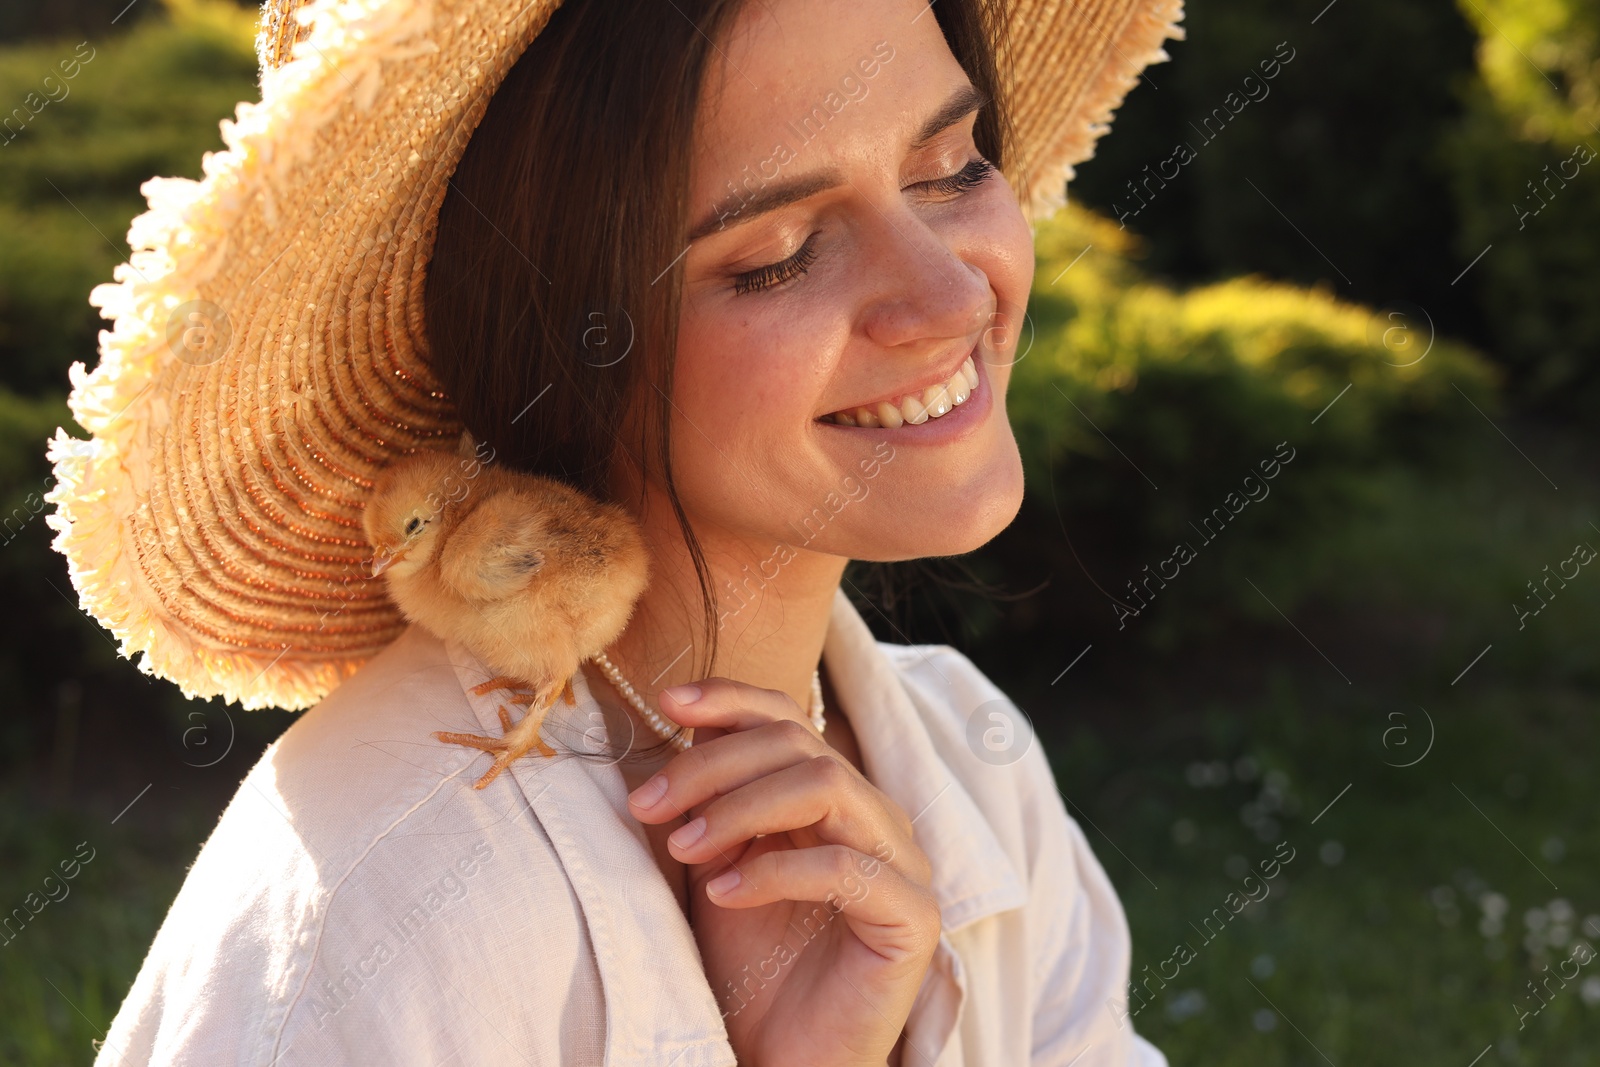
64,973
1440,806
1416,906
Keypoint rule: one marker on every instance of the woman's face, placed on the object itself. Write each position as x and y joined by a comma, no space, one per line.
850,249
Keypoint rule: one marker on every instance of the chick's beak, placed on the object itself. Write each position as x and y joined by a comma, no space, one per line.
382,560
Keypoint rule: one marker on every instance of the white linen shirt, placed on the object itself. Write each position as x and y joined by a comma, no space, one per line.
360,902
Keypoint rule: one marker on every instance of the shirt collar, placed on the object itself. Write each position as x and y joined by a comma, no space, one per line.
640,937
973,877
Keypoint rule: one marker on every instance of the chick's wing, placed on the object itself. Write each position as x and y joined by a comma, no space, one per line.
496,548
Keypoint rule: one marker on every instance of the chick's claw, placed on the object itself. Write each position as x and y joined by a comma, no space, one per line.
501,682
519,738
546,697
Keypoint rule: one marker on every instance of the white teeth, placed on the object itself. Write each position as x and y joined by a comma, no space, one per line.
914,408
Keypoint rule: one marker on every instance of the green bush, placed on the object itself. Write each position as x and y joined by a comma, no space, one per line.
121,110
1525,166
143,104
1341,144
1388,154
1139,410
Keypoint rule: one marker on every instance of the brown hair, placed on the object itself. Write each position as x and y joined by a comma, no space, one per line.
561,234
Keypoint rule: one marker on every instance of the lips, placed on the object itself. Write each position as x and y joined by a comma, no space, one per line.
913,408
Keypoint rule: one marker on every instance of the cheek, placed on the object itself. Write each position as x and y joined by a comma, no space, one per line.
749,375
746,383
1000,241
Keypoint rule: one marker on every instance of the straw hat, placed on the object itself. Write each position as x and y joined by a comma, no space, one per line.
268,357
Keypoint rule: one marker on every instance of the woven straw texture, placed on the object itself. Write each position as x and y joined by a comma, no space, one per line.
267,355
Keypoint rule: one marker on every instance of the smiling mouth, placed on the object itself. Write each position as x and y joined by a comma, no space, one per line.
913,408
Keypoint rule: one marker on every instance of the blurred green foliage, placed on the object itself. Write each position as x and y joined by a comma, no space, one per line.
1385,157
1139,408
112,114
1525,174
60,20
111,912
1406,928
146,103
1341,145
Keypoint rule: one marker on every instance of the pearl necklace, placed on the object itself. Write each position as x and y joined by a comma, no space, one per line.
668,731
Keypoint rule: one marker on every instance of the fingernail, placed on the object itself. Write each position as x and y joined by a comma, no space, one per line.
688,833
682,694
652,791
722,883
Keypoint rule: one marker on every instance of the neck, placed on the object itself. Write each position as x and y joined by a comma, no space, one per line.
773,601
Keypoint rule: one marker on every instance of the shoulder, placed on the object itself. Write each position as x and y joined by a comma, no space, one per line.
355,872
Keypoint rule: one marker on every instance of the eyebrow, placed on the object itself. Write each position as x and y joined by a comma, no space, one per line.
736,210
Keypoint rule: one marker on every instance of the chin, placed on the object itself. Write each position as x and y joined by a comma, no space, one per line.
964,522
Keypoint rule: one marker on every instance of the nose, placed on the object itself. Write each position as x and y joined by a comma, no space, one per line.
923,291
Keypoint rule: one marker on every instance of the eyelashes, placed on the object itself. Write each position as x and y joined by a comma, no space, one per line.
961,182
778,273
964,180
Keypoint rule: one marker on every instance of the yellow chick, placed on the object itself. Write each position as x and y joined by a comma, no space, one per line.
531,574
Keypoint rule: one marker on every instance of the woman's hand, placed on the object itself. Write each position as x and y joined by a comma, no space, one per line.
808,896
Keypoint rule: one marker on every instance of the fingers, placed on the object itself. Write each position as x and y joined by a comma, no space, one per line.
824,797
768,774
729,705
723,764
887,911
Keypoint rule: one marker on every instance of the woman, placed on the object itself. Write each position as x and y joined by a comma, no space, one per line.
756,271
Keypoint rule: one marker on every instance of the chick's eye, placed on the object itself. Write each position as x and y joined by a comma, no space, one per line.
414,527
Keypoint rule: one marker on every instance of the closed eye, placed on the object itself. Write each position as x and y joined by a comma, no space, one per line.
778,273
951,186
962,181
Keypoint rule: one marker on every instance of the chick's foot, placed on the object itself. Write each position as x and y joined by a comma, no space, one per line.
499,682
518,739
